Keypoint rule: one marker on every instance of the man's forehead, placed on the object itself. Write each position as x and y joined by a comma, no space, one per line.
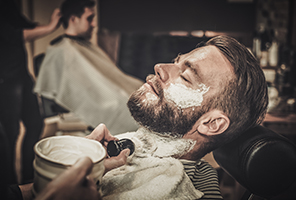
89,11
210,62
209,54
202,53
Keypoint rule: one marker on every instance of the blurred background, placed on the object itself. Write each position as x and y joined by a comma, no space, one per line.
138,34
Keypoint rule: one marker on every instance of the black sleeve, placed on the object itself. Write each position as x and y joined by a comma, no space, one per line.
12,15
14,193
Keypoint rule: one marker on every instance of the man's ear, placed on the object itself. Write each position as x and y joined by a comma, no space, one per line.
213,122
72,19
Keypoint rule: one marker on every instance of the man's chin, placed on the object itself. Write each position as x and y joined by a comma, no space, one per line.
87,36
148,117
159,115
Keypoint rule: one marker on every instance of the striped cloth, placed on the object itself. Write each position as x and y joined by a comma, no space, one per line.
204,178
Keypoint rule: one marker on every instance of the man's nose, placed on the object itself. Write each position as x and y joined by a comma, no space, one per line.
93,23
164,71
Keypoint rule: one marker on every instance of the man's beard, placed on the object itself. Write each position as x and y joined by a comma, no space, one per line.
160,115
87,34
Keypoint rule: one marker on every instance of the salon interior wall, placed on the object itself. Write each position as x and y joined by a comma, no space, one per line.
149,32
40,11
280,17
274,15
121,23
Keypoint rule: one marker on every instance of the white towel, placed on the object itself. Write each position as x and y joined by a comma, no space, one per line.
151,172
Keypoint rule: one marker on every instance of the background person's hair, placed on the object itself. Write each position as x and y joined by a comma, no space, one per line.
74,7
244,99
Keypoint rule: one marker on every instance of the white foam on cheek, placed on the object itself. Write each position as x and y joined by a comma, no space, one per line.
150,96
185,97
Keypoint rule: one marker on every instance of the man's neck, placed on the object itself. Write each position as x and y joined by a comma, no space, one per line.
75,37
196,153
163,146
70,31
72,34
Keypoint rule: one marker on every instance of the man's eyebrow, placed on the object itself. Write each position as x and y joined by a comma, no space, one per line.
91,16
176,60
193,69
188,64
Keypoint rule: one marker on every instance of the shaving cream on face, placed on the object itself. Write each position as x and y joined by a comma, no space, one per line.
149,143
150,96
185,97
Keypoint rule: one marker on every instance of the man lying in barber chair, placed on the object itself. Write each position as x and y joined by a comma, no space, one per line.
200,102
190,107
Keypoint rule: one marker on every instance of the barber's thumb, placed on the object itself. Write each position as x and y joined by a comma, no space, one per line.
118,161
124,153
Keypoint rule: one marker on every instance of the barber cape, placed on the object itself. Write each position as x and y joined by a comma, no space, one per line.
80,77
151,171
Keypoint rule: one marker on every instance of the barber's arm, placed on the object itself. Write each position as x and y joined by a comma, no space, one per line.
74,183
43,30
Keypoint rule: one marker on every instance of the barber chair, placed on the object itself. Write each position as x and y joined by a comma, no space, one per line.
66,121
262,161
49,107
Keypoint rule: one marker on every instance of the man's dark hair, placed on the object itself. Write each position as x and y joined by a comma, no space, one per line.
74,7
244,99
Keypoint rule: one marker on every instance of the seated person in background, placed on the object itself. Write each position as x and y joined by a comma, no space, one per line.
80,77
203,100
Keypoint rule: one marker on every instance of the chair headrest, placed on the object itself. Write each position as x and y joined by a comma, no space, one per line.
260,160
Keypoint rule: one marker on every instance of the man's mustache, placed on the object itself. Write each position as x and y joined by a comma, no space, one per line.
156,84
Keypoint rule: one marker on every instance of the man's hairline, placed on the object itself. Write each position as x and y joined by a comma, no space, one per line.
84,11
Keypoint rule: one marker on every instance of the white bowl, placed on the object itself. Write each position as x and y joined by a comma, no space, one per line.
53,155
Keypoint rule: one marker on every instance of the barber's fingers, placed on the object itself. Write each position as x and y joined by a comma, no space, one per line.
101,134
56,12
55,18
81,168
114,162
